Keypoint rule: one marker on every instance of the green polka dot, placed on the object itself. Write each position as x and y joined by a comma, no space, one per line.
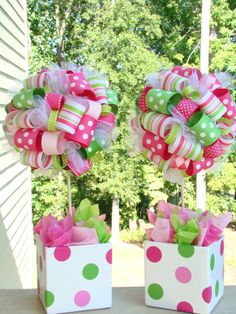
217,288
186,250
155,291
90,271
212,261
48,298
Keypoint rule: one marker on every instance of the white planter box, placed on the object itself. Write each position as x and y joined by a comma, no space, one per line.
74,278
183,277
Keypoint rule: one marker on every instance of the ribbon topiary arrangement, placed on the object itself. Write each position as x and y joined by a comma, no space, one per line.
185,121
61,118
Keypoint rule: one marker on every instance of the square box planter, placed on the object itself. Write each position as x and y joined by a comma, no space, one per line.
184,277
74,278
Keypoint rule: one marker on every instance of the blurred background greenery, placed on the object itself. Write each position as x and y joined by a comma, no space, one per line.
126,39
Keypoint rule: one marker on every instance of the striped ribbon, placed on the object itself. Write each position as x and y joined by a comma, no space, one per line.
172,82
211,105
22,119
99,87
35,159
157,160
70,116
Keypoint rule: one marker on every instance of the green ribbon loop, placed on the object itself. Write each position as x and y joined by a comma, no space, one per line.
25,99
173,134
191,92
106,110
161,100
92,149
112,98
206,131
52,120
59,162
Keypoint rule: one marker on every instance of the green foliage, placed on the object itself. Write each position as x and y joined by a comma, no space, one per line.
221,190
126,40
49,195
135,236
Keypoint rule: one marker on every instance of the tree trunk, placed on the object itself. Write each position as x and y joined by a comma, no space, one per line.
115,220
61,23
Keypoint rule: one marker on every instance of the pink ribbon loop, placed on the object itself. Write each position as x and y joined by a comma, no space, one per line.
29,139
76,163
186,72
156,145
213,151
79,86
197,166
224,96
179,163
186,108
142,99
84,131
109,119
53,143
55,101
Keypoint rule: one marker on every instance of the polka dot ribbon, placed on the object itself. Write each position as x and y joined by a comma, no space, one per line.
69,116
29,139
25,99
79,86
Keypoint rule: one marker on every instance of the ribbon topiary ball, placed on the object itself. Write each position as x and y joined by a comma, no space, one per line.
185,121
61,118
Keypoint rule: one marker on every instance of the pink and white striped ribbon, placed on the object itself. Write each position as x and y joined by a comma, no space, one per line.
22,119
172,82
35,159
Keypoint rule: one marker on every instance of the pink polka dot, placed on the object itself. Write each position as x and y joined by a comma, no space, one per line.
82,298
183,274
109,256
222,247
62,253
153,254
184,306
207,294
40,263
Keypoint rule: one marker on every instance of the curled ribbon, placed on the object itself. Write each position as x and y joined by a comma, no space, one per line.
53,143
75,161
35,159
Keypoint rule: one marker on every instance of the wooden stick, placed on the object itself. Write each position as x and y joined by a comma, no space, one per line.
69,192
182,194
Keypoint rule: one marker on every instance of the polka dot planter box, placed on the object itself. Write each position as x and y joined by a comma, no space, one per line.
184,277
74,278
